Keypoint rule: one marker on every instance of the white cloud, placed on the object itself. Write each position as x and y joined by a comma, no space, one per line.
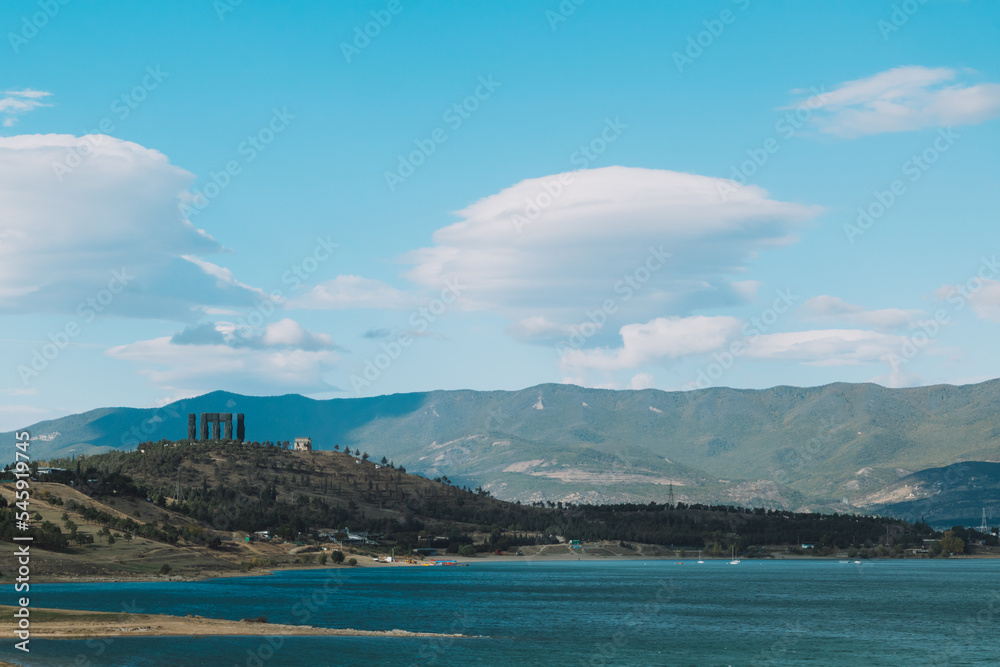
289,333
673,338
286,333
641,381
281,356
118,211
985,300
344,292
903,99
826,347
663,337
538,327
14,103
834,309
602,229
18,391
898,376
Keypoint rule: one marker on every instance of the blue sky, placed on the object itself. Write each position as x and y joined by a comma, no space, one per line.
263,198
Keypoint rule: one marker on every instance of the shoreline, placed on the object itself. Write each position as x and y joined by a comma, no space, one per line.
465,560
77,624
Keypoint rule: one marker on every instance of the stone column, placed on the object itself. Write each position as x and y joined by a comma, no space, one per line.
204,426
228,420
192,426
240,428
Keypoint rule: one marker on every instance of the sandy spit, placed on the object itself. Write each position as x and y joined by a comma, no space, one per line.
66,624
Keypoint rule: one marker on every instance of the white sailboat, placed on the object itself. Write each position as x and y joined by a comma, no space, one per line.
735,560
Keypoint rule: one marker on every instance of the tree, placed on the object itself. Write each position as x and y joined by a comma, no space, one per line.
165,569
951,543
352,562
337,557
384,460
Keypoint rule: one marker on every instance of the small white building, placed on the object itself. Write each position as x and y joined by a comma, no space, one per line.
303,444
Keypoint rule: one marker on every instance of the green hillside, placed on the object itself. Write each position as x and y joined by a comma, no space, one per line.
787,447
195,504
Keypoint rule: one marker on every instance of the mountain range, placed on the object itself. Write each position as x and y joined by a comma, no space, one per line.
841,447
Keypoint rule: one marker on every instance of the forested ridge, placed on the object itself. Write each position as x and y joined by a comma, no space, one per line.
225,486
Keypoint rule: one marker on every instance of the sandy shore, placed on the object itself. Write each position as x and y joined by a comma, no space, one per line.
68,624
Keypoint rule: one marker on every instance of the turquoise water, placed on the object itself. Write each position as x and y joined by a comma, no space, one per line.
591,613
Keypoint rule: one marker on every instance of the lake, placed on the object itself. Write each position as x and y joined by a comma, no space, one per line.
889,612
